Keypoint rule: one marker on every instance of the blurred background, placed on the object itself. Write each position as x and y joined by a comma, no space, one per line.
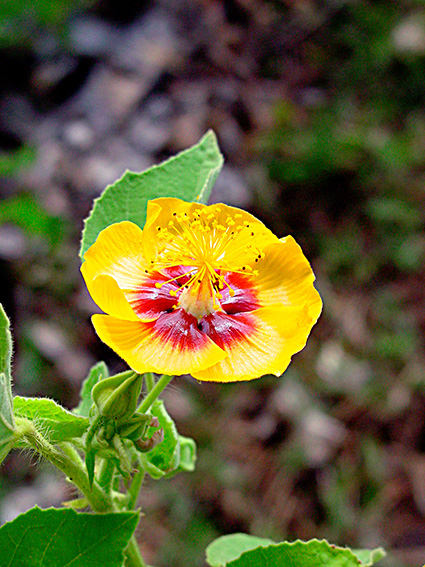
319,108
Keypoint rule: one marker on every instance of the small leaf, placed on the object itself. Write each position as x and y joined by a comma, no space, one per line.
189,175
7,421
187,454
65,538
90,464
54,421
368,557
229,547
97,372
236,551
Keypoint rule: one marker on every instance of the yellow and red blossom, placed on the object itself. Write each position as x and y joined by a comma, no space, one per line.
201,290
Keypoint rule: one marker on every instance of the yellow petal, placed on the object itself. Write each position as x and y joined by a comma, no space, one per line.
257,343
285,277
109,297
172,344
150,242
118,255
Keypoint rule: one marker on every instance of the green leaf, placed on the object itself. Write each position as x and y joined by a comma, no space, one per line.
7,421
54,421
65,538
368,557
97,372
229,547
187,454
189,175
239,550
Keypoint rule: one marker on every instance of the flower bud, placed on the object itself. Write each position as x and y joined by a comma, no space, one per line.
116,397
135,427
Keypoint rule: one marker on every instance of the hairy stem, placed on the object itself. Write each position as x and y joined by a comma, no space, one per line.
75,471
154,393
105,475
149,381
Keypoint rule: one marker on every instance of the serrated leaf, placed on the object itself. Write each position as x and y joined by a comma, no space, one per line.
54,421
65,538
229,547
97,372
189,175
7,421
228,552
368,557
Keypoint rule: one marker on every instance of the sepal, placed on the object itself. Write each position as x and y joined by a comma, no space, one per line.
116,397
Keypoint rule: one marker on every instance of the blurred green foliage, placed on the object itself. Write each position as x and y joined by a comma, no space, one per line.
347,155
346,164
21,21
13,161
25,211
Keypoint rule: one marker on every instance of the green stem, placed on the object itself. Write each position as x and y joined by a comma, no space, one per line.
71,452
149,381
106,474
133,556
134,490
154,393
97,499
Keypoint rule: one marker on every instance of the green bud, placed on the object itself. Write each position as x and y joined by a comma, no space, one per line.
116,397
135,427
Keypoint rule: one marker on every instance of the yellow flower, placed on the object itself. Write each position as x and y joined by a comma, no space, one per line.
201,290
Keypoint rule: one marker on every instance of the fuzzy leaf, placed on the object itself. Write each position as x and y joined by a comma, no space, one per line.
65,538
189,175
97,372
240,550
229,547
7,421
54,421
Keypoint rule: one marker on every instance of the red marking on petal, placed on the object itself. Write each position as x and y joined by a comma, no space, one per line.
149,301
180,329
244,298
225,329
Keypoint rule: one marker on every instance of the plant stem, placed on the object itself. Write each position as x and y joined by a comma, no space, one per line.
71,452
133,556
149,381
76,473
154,393
133,492
106,474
